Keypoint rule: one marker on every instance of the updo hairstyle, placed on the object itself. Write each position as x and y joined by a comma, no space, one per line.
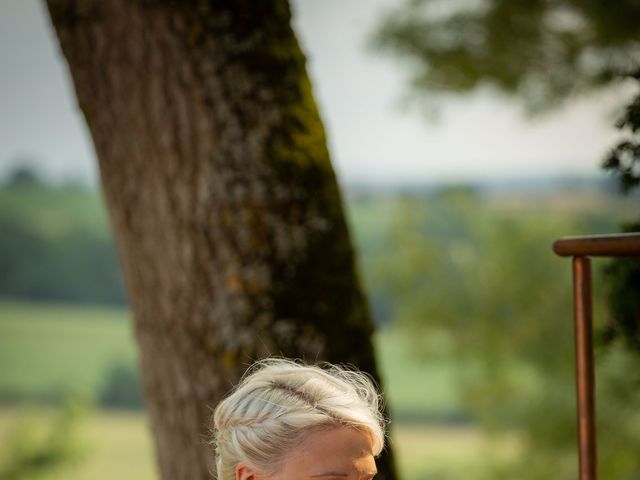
279,401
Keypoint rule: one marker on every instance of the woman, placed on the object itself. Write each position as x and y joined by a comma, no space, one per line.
290,421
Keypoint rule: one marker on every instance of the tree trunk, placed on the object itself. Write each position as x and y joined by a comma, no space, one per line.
224,204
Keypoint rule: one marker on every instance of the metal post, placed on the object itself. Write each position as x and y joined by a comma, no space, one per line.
585,381
580,248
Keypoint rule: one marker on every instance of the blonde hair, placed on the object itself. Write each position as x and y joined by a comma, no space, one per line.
278,401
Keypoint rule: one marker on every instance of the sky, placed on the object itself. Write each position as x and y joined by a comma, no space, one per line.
372,137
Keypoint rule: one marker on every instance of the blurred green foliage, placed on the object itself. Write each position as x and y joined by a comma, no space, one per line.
624,159
37,444
623,300
538,50
624,274
473,283
122,387
55,244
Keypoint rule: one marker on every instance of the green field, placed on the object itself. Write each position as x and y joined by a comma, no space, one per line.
52,348
415,390
57,210
57,348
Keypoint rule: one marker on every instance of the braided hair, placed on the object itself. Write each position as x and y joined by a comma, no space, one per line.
279,401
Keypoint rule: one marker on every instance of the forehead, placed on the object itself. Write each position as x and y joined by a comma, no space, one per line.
344,451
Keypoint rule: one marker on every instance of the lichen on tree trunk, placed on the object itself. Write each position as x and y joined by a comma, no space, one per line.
222,198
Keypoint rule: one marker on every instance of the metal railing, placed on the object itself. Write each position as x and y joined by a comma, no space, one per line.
581,248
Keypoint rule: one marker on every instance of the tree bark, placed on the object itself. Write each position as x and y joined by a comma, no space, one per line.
222,198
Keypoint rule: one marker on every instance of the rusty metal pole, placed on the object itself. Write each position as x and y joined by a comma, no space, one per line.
581,248
585,380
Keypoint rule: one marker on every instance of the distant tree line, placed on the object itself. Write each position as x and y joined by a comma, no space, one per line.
55,244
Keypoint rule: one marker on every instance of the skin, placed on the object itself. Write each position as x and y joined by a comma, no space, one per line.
336,453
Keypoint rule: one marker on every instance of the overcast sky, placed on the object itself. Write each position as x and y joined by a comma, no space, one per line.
371,139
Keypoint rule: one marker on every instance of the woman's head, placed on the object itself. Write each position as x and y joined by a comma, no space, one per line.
280,404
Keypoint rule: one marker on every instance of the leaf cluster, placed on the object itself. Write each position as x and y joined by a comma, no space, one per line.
624,159
540,51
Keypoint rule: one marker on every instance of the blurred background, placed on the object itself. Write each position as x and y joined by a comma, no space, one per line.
466,136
